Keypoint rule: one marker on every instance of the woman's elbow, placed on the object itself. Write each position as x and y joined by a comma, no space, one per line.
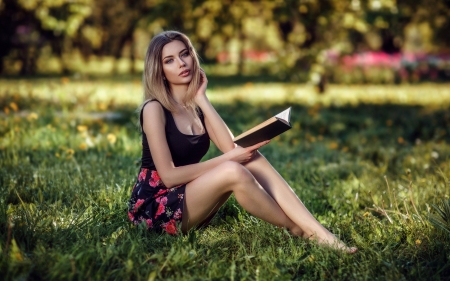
227,148
164,178
168,183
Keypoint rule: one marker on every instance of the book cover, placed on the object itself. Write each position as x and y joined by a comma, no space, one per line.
267,130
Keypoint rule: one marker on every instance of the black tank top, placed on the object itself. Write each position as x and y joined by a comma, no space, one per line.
185,149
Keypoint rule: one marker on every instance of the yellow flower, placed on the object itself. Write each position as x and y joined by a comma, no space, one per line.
111,138
70,151
366,214
83,146
418,242
65,80
57,155
334,145
14,106
82,128
102,106
32,116
6,110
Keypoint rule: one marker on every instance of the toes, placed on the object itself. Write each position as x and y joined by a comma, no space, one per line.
352,250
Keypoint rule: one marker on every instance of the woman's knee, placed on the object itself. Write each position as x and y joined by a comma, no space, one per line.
235,172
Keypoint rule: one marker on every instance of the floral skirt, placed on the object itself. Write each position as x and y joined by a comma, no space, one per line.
152,203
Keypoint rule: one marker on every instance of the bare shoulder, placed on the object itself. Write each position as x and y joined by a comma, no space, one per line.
154,111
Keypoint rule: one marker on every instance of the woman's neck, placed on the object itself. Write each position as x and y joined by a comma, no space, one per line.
179,93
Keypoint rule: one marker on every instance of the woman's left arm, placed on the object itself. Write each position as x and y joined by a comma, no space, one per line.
217,129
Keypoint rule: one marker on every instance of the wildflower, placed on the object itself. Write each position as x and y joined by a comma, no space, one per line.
366,214
65,80
102,106
83,146
32,116
57,155
70,151
82,128
334,145
434,155
418,242
6,110
14,106
111,138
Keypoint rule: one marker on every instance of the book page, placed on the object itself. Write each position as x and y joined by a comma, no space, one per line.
285,115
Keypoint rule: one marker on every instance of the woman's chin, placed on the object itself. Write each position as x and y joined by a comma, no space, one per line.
184,81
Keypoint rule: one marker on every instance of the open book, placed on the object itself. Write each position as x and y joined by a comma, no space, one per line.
266,130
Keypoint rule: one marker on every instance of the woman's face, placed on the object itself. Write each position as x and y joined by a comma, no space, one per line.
177,63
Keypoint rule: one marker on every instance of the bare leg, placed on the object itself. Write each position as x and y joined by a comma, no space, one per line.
289,202
205,194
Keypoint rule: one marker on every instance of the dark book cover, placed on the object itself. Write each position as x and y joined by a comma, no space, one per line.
266,130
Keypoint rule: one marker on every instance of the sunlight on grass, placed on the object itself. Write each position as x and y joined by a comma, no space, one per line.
437,95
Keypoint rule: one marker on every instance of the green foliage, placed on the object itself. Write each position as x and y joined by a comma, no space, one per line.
291,34
365,170
441,220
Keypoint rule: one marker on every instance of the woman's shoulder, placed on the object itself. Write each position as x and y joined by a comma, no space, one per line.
152,109
152,104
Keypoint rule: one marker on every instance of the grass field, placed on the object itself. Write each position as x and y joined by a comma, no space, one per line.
372,163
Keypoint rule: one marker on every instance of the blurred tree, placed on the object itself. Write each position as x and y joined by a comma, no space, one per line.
295,31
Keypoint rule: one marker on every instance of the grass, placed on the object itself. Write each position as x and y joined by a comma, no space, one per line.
370,162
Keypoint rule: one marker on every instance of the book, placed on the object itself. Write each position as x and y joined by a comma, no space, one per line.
267,130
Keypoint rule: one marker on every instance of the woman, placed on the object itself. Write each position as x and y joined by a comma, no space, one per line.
174,190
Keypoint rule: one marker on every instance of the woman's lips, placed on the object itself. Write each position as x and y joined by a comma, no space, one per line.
184,73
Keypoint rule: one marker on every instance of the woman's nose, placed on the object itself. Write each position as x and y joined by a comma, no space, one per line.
181,62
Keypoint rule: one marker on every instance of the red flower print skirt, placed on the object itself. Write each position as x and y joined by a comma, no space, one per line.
155,205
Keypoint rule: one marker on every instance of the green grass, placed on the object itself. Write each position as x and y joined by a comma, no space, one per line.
372,163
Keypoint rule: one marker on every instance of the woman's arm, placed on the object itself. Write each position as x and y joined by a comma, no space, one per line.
218,131
154,127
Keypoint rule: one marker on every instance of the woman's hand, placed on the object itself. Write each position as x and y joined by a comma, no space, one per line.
244,154
201,92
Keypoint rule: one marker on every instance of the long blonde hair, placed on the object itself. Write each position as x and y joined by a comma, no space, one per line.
155,87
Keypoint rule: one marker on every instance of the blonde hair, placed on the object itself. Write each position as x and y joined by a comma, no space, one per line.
155,87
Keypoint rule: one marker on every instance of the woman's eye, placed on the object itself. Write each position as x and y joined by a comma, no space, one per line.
169,61
185,54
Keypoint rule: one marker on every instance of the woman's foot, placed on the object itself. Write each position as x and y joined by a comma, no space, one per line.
333,242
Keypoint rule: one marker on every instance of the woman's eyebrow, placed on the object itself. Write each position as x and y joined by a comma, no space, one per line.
172,56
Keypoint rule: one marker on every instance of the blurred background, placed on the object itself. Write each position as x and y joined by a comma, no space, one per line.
336,41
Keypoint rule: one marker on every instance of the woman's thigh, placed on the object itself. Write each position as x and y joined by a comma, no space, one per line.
207,193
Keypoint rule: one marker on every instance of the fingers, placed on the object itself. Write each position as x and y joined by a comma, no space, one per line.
258,145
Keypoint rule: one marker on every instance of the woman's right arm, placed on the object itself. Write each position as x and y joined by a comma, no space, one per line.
154,122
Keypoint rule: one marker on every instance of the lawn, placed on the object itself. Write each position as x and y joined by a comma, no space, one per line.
372,163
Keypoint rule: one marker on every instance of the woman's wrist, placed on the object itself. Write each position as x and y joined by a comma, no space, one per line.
201,101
